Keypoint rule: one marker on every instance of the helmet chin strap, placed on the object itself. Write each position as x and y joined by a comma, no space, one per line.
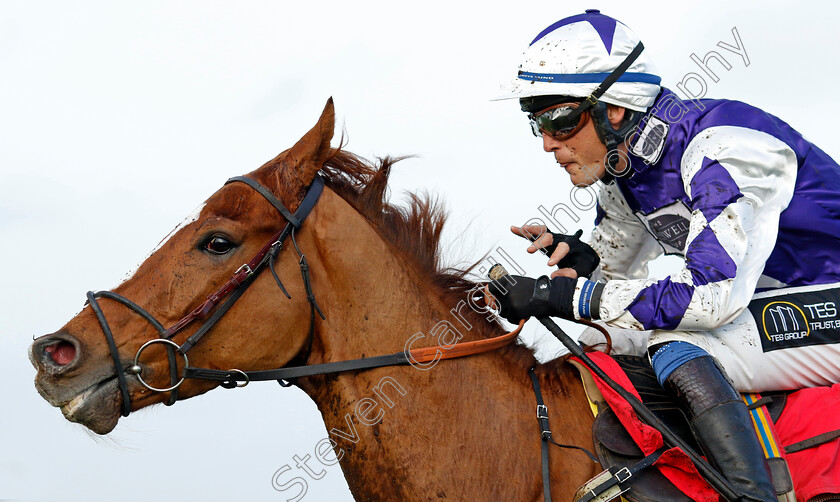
612,137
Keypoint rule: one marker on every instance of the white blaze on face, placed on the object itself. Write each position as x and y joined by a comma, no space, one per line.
190,219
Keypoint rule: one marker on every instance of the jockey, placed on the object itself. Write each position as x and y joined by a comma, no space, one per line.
750,205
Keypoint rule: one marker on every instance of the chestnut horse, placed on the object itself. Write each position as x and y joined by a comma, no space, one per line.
457,429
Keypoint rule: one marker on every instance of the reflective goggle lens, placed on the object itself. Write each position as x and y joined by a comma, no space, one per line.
559,121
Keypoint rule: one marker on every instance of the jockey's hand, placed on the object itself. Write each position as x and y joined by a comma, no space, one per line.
573,257
522,297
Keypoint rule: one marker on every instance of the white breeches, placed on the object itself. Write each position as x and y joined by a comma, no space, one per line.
796,345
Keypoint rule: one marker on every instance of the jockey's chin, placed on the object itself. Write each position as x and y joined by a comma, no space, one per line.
584,175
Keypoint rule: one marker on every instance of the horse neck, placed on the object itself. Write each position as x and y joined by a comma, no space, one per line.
375,298
398,429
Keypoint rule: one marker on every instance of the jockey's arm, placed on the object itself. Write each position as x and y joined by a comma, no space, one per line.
739,182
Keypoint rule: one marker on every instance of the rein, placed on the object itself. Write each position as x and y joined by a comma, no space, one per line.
229,378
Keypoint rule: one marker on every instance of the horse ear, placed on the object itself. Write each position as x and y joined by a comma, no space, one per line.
313,149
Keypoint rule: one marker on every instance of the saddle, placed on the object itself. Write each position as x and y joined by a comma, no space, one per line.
616,450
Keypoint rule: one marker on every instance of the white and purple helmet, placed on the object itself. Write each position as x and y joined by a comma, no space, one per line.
574,55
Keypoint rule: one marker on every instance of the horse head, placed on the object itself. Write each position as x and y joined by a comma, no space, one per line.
76,367
237,292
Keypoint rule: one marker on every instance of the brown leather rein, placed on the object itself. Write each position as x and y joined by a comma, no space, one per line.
220,301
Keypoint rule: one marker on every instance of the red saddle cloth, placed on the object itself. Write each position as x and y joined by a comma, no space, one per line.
674,464
808,413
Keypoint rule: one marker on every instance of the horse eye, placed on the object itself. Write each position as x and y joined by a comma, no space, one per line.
218,245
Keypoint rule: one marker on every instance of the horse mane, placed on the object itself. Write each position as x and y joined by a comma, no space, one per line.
414,230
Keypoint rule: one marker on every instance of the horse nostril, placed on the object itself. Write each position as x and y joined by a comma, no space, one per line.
62,353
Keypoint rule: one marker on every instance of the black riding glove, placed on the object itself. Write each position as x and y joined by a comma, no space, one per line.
522,297
581,257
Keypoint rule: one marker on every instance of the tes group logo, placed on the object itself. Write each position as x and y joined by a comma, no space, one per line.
784,321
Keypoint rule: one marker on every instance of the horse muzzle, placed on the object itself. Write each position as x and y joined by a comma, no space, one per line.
90,397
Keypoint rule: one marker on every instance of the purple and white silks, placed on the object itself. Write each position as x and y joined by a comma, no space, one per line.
743,197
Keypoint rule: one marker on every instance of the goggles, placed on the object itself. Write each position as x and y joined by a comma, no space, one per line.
564,120
560,121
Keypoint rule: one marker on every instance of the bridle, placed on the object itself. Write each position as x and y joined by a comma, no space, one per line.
225,296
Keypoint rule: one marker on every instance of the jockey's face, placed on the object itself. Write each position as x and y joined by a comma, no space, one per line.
582,155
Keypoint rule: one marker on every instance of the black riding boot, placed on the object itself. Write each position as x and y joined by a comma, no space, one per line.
723,427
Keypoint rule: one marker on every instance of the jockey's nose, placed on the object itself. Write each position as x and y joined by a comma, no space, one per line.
550,144
55,353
